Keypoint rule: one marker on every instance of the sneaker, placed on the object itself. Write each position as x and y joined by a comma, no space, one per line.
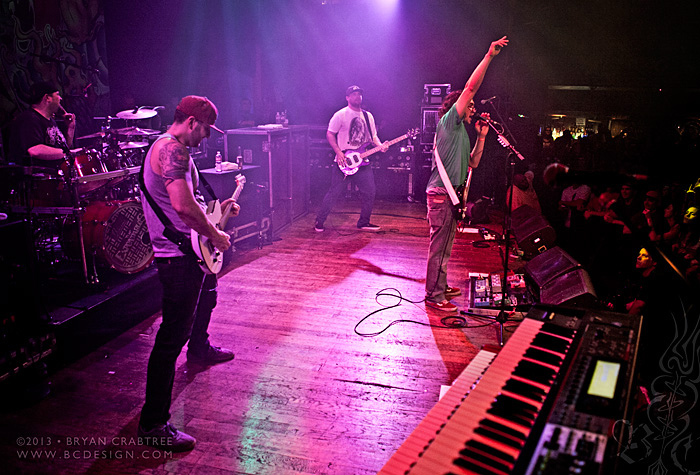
213,355
452,292
369,227
319,227
166,436
444,306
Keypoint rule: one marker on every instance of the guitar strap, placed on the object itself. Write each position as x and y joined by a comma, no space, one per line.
443,174
369,126
170,232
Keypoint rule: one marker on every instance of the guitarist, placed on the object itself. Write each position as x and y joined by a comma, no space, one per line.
453,148
188,297
349,129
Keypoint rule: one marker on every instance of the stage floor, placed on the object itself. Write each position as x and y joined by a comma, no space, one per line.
305,393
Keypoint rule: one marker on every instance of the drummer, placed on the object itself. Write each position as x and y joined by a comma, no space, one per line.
34,138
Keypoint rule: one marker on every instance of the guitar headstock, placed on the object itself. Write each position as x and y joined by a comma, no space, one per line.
413,133
240,179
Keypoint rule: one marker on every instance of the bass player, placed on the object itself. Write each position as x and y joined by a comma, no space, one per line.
349,129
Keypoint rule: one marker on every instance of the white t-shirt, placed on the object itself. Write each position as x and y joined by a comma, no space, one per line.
582,192
351,128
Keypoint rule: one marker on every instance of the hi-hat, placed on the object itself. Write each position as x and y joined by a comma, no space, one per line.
135,131
131,145
138,113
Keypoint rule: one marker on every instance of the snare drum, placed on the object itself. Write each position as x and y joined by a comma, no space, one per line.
116,232
48,192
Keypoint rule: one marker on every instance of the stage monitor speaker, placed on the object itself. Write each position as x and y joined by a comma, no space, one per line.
572,288
522,214
534,234
549,265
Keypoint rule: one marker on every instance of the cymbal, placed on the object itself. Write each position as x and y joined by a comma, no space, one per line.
131,145
96,135
135,114
135,131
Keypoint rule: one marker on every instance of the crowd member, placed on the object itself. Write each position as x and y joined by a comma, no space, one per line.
523,193
189,295
453,149
349,129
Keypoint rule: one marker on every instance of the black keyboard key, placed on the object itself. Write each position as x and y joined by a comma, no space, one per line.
535,372
498,437
557,330
505,429
544,356
524,389
475,463
551,343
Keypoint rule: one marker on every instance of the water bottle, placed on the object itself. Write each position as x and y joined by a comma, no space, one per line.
239,159
217,162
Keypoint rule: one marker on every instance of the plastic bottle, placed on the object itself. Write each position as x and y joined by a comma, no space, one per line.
239,159
217,162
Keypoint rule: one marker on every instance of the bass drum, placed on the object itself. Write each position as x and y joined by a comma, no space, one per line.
116,233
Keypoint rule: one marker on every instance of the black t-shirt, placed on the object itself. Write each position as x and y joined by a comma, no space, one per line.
29,129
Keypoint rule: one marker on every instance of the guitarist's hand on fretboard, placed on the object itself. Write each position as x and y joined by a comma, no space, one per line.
230,202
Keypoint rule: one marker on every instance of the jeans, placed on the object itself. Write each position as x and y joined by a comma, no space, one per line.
364,179
442,235
189,296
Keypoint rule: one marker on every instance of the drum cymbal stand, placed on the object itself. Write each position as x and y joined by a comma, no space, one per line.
71,181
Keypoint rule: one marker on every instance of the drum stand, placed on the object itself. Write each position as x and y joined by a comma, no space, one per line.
71,181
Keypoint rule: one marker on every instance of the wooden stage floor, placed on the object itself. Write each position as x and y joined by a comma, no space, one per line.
305,393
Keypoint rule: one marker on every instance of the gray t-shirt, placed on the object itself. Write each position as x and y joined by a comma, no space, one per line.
155,184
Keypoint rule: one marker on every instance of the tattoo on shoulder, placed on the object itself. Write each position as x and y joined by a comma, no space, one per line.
174,161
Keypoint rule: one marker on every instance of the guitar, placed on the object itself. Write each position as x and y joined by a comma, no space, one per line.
462,193
357,158
211,260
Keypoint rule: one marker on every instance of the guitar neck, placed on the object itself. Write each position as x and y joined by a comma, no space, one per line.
388,144
234,197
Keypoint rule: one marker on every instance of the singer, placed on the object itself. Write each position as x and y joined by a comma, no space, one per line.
34,137
452,148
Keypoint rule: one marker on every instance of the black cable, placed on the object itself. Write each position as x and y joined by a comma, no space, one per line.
448,322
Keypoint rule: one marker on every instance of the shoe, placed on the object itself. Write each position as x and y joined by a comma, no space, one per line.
166,436
319,227
369,227
452,292
213,355
444,306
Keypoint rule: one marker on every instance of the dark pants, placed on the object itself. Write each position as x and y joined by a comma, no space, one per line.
188,300
364,179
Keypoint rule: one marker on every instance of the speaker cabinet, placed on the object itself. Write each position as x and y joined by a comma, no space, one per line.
572,288
549,265
532,231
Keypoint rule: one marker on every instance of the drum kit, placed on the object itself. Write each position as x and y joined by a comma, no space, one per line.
94,195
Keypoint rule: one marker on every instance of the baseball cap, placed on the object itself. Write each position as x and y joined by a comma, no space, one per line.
201,109
352,89
38,90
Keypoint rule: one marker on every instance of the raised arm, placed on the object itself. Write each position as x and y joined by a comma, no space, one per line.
477,76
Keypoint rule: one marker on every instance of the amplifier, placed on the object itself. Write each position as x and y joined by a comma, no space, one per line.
435,93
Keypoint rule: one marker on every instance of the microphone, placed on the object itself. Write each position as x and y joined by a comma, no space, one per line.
486,101
478,116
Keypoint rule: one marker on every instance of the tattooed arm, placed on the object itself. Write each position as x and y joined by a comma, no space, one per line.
173,164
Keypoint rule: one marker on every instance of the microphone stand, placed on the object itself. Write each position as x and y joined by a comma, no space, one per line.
502,316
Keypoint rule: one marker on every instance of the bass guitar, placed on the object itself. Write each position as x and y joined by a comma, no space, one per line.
211,260
356,158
